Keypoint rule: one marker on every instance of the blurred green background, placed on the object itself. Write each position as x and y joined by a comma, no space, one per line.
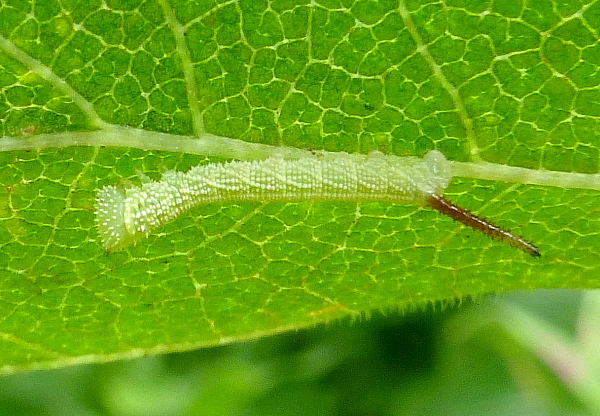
533,353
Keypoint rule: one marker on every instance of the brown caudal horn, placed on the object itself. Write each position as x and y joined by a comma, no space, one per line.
446,207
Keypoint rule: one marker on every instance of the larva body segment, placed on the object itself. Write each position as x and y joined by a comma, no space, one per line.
125,217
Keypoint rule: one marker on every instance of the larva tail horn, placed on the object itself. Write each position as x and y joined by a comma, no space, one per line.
446,207
110,219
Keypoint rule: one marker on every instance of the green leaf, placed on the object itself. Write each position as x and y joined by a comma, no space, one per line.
91,95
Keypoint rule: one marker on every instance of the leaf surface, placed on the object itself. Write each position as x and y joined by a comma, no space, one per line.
490,84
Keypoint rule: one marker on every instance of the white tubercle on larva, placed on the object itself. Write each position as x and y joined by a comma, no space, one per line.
126,216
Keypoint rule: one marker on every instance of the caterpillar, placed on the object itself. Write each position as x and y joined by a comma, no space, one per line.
126,216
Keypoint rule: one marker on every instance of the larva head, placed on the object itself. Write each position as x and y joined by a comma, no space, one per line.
110,222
